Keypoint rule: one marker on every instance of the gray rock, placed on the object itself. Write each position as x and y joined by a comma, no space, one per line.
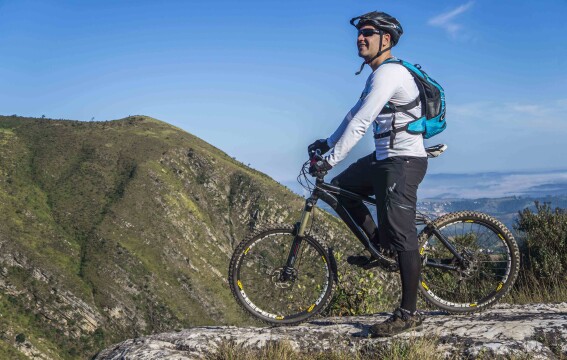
537,329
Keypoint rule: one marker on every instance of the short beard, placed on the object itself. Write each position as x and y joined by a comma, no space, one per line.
367,57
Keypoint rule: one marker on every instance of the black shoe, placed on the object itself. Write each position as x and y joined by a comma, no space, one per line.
400,321
359,260
364,261
369,262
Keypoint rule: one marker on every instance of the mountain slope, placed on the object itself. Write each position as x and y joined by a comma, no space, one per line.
111,230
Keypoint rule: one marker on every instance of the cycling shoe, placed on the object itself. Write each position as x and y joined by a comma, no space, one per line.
360,260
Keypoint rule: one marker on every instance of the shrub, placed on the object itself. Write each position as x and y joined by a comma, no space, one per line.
544,245
361,292
20,338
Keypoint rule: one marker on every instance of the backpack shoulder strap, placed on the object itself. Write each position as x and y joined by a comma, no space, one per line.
391,108
394,60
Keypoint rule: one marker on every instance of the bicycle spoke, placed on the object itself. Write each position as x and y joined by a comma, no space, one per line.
263,263
493,276
486,263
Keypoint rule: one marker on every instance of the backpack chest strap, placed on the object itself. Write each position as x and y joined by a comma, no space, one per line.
391,108
390,132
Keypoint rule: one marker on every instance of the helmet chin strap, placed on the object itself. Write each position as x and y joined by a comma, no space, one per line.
375,57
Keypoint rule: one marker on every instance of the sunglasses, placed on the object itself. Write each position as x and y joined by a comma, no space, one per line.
367,32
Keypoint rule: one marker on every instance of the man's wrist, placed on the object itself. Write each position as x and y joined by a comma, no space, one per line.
329,159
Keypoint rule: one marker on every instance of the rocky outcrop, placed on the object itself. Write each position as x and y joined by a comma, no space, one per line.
539,330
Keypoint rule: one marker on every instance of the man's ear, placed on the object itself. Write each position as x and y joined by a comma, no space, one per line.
386,38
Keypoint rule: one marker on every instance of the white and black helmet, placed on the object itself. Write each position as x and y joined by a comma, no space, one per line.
381,21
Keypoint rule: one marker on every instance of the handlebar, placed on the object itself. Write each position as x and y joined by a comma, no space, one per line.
315,157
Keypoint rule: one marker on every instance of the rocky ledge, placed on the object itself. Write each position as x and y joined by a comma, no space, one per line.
537,329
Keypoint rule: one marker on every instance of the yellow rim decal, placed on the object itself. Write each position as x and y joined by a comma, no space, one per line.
421,251
501,237
322,257
246,251
279,317
424,286
472,305
239,284
469,220
499,286
311,308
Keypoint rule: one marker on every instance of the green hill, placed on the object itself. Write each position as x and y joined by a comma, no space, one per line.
110,230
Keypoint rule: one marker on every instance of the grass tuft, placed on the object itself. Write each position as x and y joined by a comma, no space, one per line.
421,348
524,291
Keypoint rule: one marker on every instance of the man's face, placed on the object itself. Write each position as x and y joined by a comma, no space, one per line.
368,46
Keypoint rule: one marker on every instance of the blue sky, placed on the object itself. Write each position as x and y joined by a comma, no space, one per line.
263,79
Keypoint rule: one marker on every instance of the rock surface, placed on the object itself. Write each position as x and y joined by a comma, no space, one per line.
537,329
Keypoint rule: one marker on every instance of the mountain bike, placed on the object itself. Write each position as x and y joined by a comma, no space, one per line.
283,275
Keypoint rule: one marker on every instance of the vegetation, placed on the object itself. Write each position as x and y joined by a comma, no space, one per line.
361,291
112,230
544,242
398,349
420,348
543,239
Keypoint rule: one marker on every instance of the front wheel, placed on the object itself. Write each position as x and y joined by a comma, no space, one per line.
257,279
488,269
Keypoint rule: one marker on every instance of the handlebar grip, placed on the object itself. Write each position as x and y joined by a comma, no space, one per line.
316,156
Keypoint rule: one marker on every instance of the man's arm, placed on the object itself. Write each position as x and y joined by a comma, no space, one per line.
334,138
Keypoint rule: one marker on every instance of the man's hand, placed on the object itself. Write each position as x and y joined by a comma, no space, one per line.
319,168
320,145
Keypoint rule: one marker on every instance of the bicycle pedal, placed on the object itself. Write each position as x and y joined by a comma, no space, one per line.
368,263
371,265
391,267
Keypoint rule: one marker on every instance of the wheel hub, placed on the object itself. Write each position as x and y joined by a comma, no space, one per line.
470,265
284,277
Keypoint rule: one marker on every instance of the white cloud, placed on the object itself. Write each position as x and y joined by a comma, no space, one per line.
545,117
447,21
527,108
469,109
562,103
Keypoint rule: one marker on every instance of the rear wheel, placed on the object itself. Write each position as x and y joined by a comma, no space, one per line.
490,265
257,280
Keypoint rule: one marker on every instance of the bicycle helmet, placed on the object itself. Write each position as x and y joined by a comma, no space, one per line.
381,21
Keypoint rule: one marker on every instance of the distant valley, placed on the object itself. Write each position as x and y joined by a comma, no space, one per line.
505,209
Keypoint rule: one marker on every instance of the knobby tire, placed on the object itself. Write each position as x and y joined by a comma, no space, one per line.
253,277
495,264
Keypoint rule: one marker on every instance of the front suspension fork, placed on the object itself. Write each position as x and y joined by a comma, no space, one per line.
299,234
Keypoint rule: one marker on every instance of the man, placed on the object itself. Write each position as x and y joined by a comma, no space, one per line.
393,172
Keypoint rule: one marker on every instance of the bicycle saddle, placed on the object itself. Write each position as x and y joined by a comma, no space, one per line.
435,150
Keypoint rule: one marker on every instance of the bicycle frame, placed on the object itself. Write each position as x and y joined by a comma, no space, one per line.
328,193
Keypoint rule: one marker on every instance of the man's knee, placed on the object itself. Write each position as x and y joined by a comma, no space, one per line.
335,181
345,201
400,228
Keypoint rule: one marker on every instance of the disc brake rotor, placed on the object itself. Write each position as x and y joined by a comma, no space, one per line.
470,267
277,277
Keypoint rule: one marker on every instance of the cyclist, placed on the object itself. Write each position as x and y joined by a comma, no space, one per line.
393,172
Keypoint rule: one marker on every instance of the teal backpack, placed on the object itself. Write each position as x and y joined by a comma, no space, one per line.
432,98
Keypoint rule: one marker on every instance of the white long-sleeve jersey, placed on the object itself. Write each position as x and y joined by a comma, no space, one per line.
390,82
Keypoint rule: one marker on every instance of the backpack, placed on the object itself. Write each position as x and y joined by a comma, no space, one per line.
432,98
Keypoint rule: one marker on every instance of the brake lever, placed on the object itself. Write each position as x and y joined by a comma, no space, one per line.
315,156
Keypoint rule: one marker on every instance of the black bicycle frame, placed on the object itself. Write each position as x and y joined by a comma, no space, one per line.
327,193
